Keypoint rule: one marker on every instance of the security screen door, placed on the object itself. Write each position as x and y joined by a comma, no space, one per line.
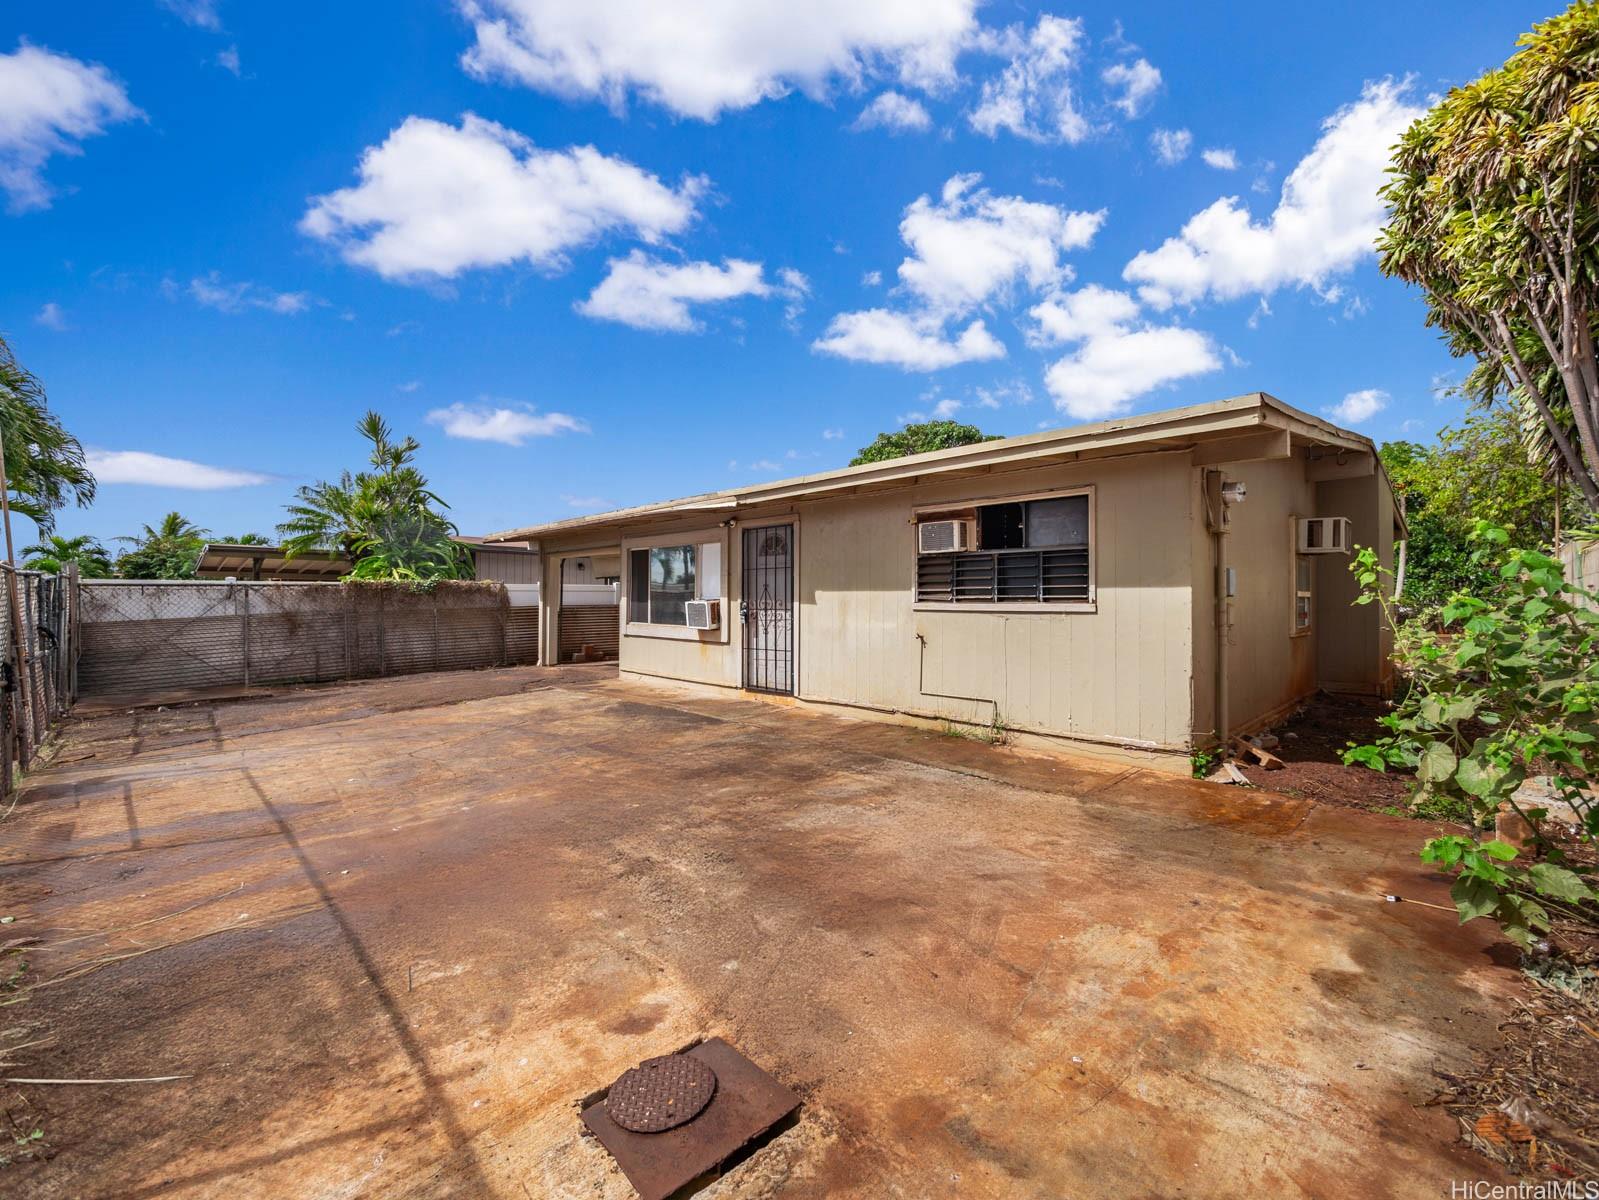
768,608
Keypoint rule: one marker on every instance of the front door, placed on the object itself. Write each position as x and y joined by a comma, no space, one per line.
768,608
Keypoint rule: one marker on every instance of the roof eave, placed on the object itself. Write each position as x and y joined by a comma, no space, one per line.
1216,419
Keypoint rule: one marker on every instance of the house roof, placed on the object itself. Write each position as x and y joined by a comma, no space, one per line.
1170,429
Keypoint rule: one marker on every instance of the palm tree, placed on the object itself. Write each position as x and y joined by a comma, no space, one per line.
44,463
386,521
174,527
168,550
52,553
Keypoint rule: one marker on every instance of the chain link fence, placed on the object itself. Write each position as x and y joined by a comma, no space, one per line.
38,619
154,638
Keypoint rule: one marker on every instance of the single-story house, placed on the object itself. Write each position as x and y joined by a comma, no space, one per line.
1136,587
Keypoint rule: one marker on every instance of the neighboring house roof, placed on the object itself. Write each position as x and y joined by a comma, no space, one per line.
219,560
1215,430
222,560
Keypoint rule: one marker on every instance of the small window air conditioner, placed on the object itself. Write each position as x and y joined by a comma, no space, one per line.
943,537
1324,535
704,614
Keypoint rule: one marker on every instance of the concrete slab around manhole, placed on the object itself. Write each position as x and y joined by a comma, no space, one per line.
747,1103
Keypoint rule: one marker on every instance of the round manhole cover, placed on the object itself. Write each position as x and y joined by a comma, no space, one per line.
661,1094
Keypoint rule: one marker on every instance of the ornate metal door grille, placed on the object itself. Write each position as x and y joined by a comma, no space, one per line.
768,608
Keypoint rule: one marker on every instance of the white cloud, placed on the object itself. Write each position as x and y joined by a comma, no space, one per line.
436,200
945,409
1116,360
795,289
832,435
508,426
969,248
228,60
200,13
896,113
761,466
410,385
213,291
1033,97
1223,158
51,317
1015,392
1324,223
1089,312
1359,406
872,279
157,470
646,293
700,58
586,503
49,103
1137,82
971,245
894,339
1171,146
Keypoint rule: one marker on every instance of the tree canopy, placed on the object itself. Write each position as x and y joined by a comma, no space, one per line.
1494,214
1480,469
920,438
52,553
169,550
386,520
45,466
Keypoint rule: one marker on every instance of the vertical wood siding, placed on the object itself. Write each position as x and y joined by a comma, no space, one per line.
1267,666
1121,672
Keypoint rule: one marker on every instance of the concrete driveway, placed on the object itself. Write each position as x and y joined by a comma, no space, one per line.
391,932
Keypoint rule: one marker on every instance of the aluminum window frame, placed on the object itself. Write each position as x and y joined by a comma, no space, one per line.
1295,592
663,541
1018,607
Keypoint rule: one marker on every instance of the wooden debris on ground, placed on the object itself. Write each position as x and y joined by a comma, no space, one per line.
1532,1103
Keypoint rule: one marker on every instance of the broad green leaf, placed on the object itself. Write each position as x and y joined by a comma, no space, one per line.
1481,777
1560,883
1474,898
1437,763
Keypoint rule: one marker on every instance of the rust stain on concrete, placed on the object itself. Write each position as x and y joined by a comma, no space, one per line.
395,930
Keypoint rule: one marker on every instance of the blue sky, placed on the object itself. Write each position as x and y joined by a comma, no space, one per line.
594,255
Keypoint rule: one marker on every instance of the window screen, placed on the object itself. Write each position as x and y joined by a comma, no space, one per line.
1062,521
711,571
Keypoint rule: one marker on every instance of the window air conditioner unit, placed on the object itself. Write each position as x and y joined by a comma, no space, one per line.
704,614
1324,535
943,537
